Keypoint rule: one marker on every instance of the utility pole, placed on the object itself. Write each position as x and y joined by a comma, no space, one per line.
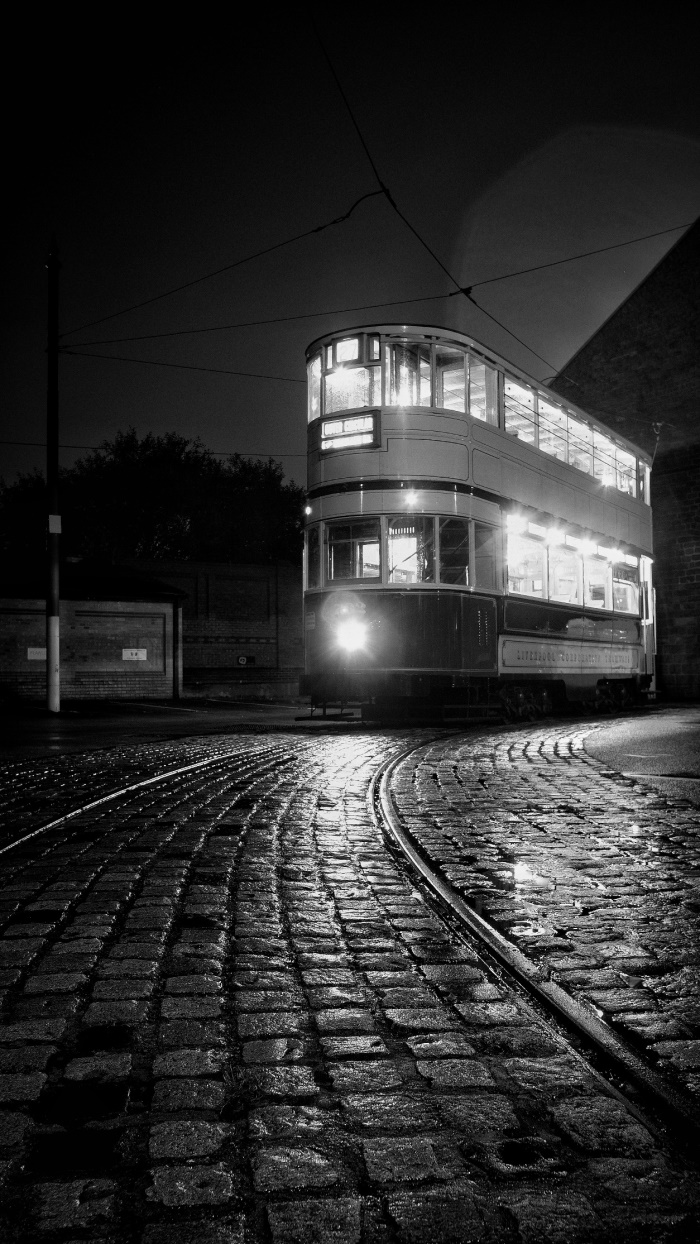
53,666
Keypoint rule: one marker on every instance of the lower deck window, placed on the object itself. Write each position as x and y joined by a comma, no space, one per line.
597,583
411,550
526,565
454,551
353,550
564,575
313,558
625,587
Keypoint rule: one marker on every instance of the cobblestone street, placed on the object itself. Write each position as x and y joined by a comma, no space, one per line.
230,1014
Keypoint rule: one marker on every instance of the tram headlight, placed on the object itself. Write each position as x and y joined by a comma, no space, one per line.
351,635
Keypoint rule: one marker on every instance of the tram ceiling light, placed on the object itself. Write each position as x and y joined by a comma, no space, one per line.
411,498
351,635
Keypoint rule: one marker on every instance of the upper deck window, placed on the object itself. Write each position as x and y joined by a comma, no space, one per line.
519,411
604,460
408,375
483,391
553,430
351,388
580,446
314,371
451,378
347,351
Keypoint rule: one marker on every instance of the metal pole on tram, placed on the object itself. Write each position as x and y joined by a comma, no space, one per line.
53,667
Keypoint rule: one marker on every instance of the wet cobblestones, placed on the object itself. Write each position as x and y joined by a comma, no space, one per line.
230,1016
594,875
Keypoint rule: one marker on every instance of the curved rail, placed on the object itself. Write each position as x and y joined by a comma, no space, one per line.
573,1014
115,794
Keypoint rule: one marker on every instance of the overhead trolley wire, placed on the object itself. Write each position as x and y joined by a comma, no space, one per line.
466,290
221,371
338,220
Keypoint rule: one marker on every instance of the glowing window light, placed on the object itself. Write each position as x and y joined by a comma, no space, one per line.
535,529
613,555
629,560
347,442
516,523
588,548
555,536
346,351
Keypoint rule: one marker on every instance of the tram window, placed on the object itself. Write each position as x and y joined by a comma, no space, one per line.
553,428
519,404
580,446
451,378
454,551
485,544
483,391
564,575
645,483
353,550
351,388
313,558
347,351
597,583
625,589
315,388
526,565
411,549
373,348
604,460
626,472
407,374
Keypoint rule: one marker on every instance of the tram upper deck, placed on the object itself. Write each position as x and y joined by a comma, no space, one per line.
428,411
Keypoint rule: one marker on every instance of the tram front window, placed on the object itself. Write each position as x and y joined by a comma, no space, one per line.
411,550
353,550
313,558
407,374
351,388
454,551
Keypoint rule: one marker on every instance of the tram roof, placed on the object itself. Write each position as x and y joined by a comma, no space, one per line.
434,332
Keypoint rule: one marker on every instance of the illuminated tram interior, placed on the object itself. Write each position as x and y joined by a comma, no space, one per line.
397,504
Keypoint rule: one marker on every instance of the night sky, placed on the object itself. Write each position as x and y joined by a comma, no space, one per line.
158,159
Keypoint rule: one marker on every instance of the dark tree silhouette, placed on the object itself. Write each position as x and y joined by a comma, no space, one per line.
158,497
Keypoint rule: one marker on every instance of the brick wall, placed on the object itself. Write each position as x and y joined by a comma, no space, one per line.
676,502
109,649
242,627
640,373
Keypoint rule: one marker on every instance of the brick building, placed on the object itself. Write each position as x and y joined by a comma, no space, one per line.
640,373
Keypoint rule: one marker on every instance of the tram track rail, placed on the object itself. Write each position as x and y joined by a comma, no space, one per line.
646,1094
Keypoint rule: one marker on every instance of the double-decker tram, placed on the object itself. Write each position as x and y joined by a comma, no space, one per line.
473,543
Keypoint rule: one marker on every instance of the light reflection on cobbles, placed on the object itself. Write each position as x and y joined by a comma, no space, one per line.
594,875
231,1017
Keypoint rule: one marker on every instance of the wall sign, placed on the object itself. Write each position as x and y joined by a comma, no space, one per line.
134,654
36,654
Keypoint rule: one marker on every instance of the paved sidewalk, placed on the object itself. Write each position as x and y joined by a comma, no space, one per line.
593,875
231,1019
